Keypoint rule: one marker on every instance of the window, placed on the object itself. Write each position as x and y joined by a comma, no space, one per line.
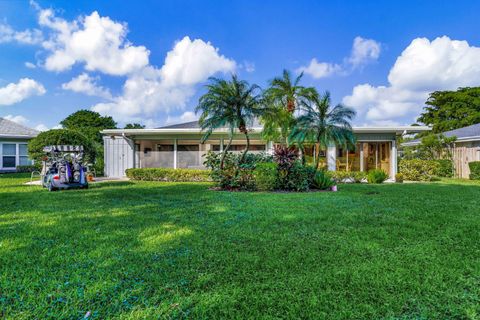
9,155
23,153
165,147
185,147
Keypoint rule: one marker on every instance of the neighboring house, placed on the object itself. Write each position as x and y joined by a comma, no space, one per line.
13,145
466,148
178,146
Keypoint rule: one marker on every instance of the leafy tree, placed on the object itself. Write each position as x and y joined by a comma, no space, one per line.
59,137
282,98
134,126
449,110
323,125
434,146
90,123
231,104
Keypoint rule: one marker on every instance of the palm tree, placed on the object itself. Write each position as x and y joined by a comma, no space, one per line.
230,104
281,99
321,124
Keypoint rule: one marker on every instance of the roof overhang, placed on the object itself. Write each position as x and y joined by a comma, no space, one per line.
140,132
16,136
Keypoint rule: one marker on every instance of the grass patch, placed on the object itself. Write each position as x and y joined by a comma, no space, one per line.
135,250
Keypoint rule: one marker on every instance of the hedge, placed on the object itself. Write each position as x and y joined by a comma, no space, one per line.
474,170
445,168
168,174
419,170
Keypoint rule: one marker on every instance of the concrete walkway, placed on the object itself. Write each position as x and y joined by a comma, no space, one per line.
97,180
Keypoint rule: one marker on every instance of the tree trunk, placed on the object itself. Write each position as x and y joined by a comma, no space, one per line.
317,156
246,148
291,106
302,150
224,152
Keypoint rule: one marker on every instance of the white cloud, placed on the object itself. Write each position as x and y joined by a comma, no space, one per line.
87,85
249,66
363,52
98,42
29,36
170,87
41,127
30,65
17,119
187,116
16,92
424,66
319,70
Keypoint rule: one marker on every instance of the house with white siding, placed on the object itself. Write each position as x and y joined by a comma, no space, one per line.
179,146
14,138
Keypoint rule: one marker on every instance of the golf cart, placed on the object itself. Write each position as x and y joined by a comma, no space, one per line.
63,168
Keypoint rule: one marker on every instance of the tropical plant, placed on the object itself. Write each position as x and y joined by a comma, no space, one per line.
322,180
266,176
281,100
285,156
232,104
323,125
376,176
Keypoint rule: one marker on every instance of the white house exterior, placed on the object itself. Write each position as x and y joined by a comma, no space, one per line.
13,145
178,146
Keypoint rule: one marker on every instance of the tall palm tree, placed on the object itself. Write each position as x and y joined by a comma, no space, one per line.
282,98
231,104
323,125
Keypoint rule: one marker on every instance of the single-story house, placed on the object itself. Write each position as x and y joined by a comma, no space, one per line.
466,148
178,146
13,145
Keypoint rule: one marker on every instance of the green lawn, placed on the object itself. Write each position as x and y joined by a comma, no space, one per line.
177,250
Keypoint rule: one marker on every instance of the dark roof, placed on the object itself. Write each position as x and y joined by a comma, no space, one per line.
13,129
461,133
465,132
196,125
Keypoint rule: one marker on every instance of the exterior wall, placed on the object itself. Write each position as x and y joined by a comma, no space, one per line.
119,155
19,158
463,153
122,153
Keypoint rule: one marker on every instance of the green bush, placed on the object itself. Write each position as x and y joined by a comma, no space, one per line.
234,175
266,176
419,170
323,180
474,170
169,174
297,178
445,168
376,176
399,177
31,168
349,176
60,137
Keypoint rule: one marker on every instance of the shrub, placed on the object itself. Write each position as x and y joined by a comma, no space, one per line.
59,137
376,176
445,168
419,170
266,176
297,179
168,174
399,177
285,156
235,175
31,168
474,170
323,180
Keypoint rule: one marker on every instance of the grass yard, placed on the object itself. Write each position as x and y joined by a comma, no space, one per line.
155,250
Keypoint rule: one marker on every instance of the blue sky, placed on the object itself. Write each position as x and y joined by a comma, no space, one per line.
147,61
